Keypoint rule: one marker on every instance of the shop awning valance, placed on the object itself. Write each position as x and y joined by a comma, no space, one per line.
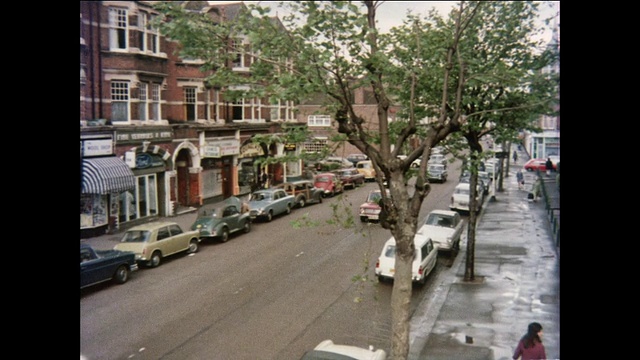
106,175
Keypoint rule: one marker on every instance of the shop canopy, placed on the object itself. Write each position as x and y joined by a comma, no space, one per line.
106,175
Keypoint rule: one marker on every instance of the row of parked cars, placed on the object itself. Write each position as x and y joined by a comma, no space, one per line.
149,243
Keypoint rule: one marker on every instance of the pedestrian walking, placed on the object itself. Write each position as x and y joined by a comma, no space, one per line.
530,345
549,166
520,179
515,157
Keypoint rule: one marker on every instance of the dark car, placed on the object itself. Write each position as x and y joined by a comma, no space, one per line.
98,266
218,221
350,178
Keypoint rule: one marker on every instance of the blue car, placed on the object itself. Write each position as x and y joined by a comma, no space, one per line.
98,266
267,203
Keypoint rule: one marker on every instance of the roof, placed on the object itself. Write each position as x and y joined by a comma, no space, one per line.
152,225
443,212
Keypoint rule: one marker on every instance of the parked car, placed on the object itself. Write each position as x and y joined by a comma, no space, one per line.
354,158
304,192
219,220
370,209
350,178
537,164
425,259
437,159
154,241
483,188
267,203
327,350
97,266
334,162
461,197
444,228
329,183
437,173
414,164
365,168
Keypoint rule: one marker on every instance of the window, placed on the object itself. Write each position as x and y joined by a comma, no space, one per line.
315,146
175,230
120,101
149,101
149,40
118,32
240,54
319,120
143,104
163,233
190,103
154,105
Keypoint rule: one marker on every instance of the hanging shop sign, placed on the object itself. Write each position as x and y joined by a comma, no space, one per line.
289,147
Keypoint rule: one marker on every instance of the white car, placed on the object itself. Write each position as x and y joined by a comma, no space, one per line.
461,197
425,258
444,227
328,350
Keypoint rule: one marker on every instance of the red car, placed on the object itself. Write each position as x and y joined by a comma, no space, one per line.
329,183
537,164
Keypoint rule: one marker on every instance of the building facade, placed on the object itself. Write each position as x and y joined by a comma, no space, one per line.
156,139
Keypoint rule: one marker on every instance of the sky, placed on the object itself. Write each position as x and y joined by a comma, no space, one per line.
391,13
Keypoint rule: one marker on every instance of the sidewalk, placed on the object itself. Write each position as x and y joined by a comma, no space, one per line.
517,281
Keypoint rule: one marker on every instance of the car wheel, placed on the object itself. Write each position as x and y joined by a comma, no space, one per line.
224,237
269,216
247,226
363,219
155,260
288,211
193,246
122,274
302,202
320,199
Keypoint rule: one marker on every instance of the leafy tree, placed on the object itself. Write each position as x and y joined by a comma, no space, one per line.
448,70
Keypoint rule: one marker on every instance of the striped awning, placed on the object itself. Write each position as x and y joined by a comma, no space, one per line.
106,175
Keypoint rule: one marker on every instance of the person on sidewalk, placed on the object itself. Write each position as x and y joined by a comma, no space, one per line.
515,157
549,166
530,346
520,179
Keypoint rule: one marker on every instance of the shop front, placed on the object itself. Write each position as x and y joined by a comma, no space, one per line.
103,180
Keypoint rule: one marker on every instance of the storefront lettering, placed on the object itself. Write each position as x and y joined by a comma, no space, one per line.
153,135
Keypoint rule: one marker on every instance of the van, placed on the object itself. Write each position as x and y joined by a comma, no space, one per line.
425,258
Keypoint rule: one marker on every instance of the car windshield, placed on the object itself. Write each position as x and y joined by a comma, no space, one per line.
374,197
461,191
260,196
135,236
439,220
322,179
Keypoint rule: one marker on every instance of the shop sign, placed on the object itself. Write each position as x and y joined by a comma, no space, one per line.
221,148
251,150
144,136
97,147
210,151
289,147
143,161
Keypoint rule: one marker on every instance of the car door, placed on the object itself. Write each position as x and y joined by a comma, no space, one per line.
179,240
429,257
165,242
91,269
231,215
